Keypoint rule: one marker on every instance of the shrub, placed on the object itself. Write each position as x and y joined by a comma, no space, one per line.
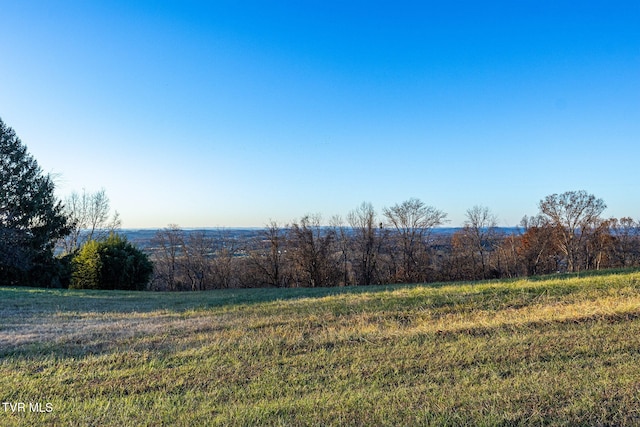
113,263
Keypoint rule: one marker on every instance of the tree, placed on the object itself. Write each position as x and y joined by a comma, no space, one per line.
196,259
86,267
31,219
311,248
538,248
89,214
599,245
412,222
113,263
167,254
123,265
14,253
625,232
510,259
342,249
460,259
224,263
367,242
481,234
572,213
268,259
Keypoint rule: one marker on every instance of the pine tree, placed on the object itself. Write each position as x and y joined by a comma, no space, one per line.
87,267
31,218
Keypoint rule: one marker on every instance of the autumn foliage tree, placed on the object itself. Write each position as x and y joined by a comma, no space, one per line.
538,246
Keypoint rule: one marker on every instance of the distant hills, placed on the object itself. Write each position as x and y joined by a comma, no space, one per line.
142,237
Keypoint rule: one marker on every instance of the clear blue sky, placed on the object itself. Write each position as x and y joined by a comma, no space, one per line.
233,113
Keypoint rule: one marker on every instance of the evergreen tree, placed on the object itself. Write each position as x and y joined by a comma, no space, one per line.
31,219
86,267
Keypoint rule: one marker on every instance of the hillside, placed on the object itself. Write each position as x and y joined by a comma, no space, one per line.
552,350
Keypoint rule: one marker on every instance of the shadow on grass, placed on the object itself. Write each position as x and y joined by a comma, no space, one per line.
24,300
35,300
75,323
583,274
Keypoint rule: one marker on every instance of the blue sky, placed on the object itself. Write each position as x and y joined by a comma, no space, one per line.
234,113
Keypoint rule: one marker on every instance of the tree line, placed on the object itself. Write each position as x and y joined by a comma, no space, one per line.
75,243
400,245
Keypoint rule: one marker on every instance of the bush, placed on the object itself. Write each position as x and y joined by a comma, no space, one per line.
113,263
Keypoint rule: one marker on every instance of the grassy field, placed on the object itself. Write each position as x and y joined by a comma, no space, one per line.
548,351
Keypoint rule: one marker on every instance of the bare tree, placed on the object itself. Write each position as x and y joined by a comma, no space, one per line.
342,249
367,243
572,213
481,233
508,252
412,222
225,273
626,239
268,259
167,246
311,246
599,245
90,214
196,260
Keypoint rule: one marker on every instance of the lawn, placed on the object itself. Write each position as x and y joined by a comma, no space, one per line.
560,350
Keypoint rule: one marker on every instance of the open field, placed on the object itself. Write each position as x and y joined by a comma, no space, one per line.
548,351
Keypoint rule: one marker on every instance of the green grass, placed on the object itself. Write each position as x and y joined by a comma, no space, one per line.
561,350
